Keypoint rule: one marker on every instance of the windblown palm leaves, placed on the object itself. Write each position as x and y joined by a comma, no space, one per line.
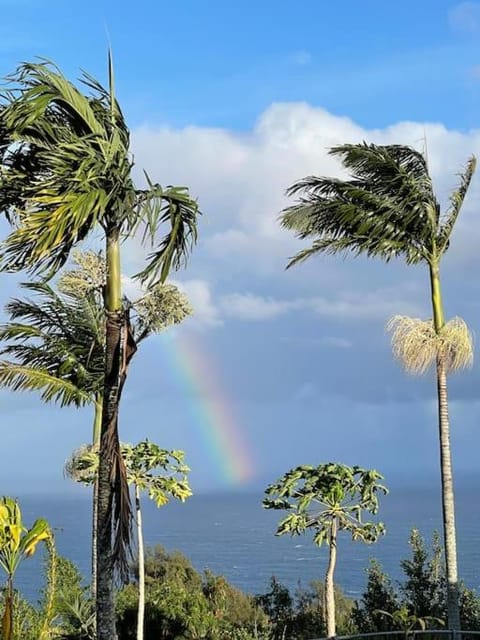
76,147
387,208
53,344
54,341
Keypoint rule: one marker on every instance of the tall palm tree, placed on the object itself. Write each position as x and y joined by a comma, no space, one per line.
388,209
69,172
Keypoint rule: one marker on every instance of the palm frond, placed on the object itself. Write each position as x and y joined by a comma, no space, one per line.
69,170
456,202
61,338
173,207
53,389
386,208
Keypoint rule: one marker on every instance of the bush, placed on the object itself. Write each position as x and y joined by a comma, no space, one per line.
181,604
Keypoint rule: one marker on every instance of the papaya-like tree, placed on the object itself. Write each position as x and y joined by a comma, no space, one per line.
328,499
387,208
16,543
161,473
67,173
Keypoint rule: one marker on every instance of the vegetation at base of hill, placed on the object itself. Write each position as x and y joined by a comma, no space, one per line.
183,604
422,592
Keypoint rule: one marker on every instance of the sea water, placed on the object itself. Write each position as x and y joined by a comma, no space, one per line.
232,535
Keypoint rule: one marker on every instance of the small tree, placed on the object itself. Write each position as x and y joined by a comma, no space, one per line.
379,593
16,542
327,499
423,588
149,468
163,474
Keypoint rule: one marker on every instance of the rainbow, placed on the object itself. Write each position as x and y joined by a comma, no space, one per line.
222,438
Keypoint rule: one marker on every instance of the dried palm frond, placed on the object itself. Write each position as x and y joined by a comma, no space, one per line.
416,344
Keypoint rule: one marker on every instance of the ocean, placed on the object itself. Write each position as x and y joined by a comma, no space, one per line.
232,535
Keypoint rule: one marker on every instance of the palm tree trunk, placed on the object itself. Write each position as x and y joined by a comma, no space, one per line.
7,620
448,503
329,584
111,484
97,426
141,567
448,500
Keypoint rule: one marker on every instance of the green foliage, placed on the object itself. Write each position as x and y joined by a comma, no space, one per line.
279,606
181,604
421,595
54,343
406,621
387,207
16,543
469,609
326,494
379,594
73,606
160,472
423,589
301,616
70,170
27,622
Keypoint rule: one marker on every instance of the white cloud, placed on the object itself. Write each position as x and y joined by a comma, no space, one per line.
379,304
200,297
240,179
247,306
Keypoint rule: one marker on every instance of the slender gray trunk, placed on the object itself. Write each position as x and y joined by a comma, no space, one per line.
448,503
329,583
141,567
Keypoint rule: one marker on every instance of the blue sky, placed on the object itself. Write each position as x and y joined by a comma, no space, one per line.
238,100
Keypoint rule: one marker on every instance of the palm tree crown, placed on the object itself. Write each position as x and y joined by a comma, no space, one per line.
387,208
76,149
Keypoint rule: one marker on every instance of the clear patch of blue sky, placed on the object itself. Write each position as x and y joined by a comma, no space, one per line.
221,63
